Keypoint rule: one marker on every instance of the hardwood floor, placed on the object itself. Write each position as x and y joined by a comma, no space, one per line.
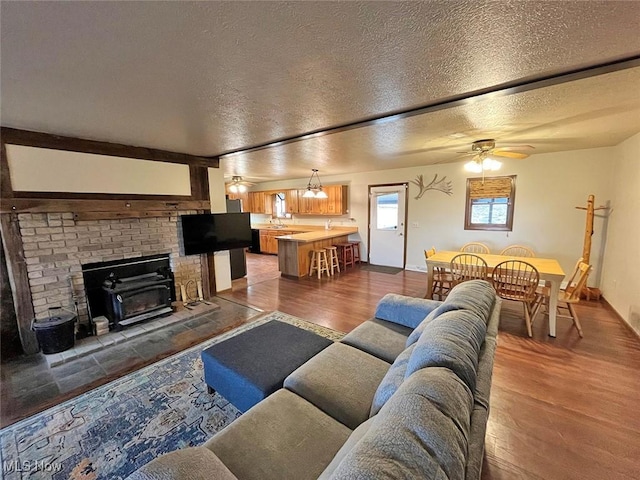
563,408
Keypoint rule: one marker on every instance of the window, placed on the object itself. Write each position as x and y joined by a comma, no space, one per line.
490,203
280,206
387,211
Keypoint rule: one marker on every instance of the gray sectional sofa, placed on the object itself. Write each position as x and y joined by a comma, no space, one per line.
404,395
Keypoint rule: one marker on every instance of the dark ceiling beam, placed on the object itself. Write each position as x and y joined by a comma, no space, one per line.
13,136
504,89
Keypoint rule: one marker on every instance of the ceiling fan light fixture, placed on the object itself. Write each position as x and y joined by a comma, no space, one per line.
491,165
473,166
236,185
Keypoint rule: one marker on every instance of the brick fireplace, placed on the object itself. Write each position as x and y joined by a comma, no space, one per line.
56,246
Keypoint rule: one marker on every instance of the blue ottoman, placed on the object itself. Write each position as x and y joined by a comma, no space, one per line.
252,365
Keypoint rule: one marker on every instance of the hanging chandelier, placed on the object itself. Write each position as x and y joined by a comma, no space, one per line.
314,190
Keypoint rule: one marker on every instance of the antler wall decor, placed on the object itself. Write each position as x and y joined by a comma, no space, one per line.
440,185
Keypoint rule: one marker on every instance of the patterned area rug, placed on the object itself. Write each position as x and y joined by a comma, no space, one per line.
109,432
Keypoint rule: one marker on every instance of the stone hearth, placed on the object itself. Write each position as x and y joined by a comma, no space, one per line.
89,345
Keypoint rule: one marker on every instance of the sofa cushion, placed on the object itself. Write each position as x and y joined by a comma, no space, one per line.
403,310
391,381
421,432
380,338
283,437
494,319
477,432
485,371
415,335
196,463
475,295
341,381
351,442
451,340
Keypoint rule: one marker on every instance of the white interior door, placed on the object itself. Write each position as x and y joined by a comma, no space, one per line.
387,229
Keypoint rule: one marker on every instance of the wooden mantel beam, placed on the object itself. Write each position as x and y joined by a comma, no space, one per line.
13,136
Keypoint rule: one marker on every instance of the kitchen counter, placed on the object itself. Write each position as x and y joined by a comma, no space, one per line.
293,227
314,236
294,250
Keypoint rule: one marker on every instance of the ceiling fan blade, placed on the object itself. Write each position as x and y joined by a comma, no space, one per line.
501,153
511,148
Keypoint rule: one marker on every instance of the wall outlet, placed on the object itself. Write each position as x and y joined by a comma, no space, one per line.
415,224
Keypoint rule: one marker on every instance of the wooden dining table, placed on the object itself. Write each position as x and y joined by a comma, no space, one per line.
548,268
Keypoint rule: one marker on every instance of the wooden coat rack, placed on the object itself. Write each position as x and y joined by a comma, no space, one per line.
586,248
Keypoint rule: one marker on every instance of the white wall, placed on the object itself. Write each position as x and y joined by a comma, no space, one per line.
45,170
219,205
621,276
548,188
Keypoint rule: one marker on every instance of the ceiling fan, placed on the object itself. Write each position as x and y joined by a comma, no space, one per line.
483,151
238,185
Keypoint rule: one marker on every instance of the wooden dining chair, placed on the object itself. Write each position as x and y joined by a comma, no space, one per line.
518,281
570,295
467,266
475,247
442,280
517,251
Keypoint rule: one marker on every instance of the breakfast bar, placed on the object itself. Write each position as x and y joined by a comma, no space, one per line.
294,250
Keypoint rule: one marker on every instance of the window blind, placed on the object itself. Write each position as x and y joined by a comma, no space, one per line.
491,187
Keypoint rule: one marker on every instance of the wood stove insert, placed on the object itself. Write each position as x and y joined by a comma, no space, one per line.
130,291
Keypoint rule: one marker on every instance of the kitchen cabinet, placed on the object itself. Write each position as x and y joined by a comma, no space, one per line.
311,206
264,241
334,204
337,199
268,240
296,203
260,202
291,201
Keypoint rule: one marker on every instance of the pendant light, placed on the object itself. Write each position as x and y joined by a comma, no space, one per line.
314,190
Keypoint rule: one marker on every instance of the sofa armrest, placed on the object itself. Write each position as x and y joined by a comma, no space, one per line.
195,463
403,310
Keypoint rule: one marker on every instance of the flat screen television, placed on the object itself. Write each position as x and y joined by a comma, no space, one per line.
213,232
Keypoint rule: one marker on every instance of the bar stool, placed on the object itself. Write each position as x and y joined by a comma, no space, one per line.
334,263
356,251
345,254
319,262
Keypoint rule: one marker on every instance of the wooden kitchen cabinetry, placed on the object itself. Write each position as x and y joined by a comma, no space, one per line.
291,201
337,199
311,206
265,244
260,202
296,203
268,241
334,204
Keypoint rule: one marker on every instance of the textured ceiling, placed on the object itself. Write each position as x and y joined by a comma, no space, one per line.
211,77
